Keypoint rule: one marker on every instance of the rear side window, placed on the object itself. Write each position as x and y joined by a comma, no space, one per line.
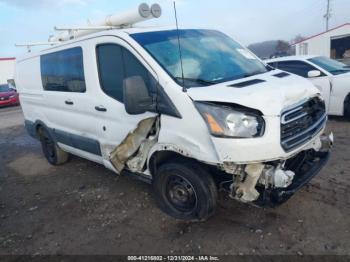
63,71
115,64
296,67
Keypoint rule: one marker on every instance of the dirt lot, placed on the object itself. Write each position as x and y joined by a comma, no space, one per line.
82,208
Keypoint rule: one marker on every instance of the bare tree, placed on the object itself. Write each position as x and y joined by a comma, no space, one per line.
282,46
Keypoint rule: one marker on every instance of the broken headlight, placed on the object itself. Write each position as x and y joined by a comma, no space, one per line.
226,121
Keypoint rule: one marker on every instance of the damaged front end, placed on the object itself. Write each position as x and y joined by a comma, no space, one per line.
273,183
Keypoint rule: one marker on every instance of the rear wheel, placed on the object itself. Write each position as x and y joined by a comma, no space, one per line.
185,190
52,152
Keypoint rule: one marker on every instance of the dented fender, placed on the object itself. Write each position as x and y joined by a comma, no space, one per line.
164,147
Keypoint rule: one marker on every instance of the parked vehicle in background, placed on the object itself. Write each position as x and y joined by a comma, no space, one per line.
331,77
8,96
11,83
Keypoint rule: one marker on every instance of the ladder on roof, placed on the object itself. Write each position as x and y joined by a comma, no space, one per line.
116,21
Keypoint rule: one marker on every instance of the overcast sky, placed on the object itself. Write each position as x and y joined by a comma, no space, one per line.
248,21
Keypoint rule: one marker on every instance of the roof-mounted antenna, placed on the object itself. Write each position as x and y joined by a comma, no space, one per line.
180,53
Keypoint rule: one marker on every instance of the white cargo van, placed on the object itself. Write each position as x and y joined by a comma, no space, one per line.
210,117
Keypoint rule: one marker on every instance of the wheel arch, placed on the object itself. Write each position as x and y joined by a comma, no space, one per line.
40,124
34,127
346,106
165,153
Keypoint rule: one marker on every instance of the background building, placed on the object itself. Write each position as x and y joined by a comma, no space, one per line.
334,43
7,69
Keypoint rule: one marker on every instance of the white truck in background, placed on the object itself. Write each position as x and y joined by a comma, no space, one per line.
209,117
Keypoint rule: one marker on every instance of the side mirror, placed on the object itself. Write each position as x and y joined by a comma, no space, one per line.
137,99
313,73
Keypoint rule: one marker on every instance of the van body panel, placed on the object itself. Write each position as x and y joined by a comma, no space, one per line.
113,125
94,123
278,93
86,155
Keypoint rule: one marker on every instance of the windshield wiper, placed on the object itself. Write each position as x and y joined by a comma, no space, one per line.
196,80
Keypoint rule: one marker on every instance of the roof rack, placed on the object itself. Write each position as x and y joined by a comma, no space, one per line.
30,45
116,21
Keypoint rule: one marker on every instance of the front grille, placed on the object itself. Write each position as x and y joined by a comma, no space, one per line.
302,123
4,98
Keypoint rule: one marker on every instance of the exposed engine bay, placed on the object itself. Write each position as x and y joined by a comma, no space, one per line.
273,183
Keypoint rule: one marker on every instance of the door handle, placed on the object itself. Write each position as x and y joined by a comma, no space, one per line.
69,102
101,108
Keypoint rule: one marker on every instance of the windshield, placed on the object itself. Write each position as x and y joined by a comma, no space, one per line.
332,66
4,88
208,57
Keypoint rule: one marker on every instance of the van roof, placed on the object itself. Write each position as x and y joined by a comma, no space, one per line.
116,32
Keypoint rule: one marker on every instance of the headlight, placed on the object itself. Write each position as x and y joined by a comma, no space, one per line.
13,96
225,121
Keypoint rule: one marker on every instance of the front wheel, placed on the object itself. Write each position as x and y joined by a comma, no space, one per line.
185,190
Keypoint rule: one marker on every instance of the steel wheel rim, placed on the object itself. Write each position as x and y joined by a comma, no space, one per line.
180,193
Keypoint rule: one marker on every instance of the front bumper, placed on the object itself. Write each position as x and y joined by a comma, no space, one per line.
306,165
9,102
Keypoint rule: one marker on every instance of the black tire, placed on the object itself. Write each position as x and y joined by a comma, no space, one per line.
185,190
347,107
54,155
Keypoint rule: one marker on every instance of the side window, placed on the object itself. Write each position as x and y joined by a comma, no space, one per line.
296,67
63,71
115,64
133,67
111,70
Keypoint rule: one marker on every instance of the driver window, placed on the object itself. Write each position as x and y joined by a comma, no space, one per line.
115,64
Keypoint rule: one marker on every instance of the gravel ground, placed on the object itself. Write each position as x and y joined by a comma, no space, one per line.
82,208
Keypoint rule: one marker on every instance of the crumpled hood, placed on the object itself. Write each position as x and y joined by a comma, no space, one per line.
269,97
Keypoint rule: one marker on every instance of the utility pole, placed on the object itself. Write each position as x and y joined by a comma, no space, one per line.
328,15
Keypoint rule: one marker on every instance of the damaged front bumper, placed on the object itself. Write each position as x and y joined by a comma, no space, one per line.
273,183
306,165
